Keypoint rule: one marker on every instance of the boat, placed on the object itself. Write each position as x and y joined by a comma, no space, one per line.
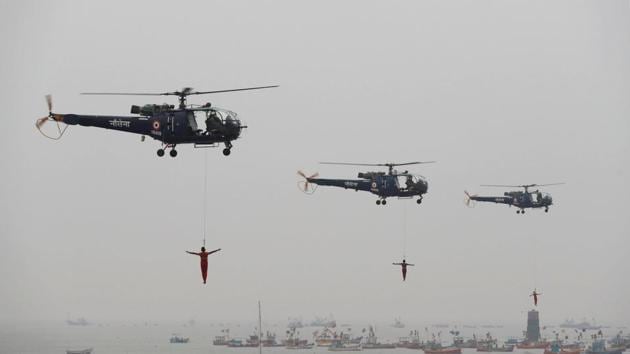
78,322
371,342
222,339
398,323
294,342
448,350
82,351
411,342
339,346
325,338
599,347
584,325
533,345
557,348
270,340
178,339
496,349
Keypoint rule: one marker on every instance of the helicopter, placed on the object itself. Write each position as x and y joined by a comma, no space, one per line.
520,199
163,122
384,185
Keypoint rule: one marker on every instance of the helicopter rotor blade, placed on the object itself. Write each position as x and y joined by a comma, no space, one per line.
49,102
232,90
186,91
522,185
376,164
41,121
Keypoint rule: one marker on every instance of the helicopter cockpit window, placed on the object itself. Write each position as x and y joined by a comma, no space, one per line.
407,181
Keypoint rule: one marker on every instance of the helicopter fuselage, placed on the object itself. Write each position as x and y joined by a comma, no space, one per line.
380,184
171,127
519,199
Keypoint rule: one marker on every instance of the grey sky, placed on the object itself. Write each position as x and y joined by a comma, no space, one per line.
505,92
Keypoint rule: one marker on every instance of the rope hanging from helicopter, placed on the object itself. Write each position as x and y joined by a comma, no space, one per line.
404,230
205,195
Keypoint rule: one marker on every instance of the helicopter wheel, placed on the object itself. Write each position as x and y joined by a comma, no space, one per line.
378,202
522,211
173,152
518,211
160,152
546,210
226,152
419,200
384,202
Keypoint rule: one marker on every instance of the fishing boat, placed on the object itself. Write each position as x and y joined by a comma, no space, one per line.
293,341
222,339
496,349
599,347
557,348
176,339
371,342
325,338
398,323
449,350
339,346
533,345
82,351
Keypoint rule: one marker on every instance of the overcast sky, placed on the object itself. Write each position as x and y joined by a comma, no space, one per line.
498,92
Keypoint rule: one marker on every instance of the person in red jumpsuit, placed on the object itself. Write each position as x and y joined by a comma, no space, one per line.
203,255
535,295
403,265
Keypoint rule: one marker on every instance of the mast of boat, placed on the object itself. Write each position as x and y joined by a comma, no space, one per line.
259,329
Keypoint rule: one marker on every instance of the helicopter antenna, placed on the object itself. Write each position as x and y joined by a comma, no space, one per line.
389,165
185,92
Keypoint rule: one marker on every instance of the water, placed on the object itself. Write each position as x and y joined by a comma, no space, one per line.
154,338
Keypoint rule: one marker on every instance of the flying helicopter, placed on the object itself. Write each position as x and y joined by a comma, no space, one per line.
520,199
163,122
384,185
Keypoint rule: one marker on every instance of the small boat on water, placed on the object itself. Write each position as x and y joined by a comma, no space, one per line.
178,339
82,351
599,347
533,345
449,350
222,339
371,342
557,348
496,349
339,346
398,323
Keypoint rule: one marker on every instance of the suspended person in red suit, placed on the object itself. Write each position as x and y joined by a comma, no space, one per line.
535,295
204,261
403,265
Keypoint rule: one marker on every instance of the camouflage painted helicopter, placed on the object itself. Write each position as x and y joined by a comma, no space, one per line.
520,199
384,185
163,122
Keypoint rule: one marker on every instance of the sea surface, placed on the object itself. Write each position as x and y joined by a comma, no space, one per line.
154,338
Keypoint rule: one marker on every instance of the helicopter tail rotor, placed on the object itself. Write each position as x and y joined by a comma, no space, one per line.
39,123
305,186
469,201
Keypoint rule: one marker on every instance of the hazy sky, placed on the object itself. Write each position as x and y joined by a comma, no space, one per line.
498,92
